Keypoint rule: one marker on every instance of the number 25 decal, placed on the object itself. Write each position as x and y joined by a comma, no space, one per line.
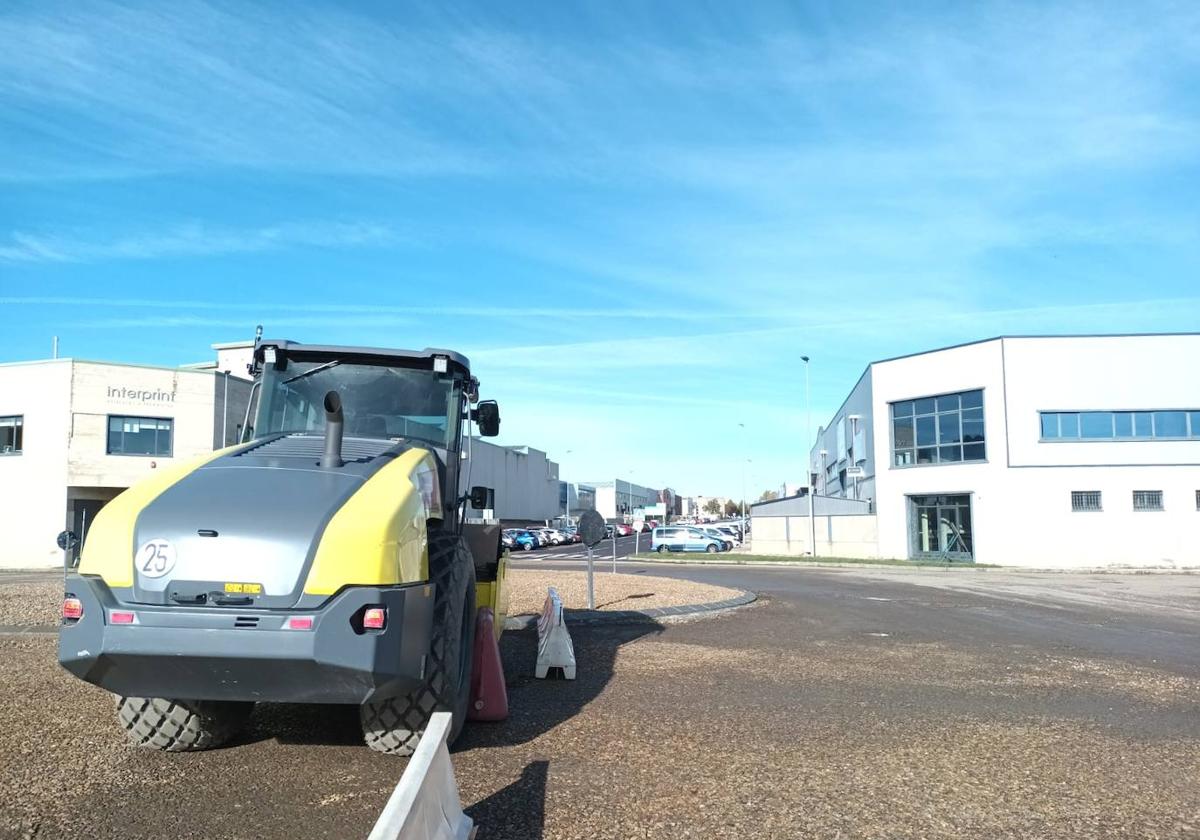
155,558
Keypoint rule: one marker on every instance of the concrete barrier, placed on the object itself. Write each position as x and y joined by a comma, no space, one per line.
554,642
425,805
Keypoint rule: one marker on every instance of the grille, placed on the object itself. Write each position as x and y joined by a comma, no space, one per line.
1085,500
1147,500
247,621
359,450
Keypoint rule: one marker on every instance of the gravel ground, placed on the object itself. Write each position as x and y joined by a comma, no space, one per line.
31,602
527,591
820,714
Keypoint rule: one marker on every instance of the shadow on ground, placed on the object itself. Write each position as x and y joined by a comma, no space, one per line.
518,810
537,706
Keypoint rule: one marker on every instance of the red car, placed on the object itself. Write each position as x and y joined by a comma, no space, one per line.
624,530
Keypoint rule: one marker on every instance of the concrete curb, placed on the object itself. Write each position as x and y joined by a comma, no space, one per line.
953,569
653,614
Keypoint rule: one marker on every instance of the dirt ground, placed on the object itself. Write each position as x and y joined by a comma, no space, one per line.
843,706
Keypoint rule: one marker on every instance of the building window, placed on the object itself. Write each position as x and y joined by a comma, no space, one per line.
938,430
1147,500
1174,424
11,434
1085,500
1198,500
140,436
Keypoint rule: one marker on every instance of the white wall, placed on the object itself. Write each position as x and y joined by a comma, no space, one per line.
525,480
1021,515
837,536
33,493
1102,374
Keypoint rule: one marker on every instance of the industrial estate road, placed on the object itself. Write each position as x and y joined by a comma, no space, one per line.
846,703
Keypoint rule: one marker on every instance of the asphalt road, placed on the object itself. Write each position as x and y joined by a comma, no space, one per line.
848,703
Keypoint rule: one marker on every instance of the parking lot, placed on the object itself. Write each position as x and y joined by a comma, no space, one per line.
846,703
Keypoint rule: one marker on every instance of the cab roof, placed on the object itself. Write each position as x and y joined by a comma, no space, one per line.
407,358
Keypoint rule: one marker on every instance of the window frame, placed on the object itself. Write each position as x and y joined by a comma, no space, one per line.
937,445
1086,495
1191,422
18,423
1152,494
108,443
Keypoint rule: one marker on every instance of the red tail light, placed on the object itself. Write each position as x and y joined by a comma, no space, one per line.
375,618
300,622
120,617
72,609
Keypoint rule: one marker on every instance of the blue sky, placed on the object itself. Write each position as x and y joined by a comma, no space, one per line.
633,217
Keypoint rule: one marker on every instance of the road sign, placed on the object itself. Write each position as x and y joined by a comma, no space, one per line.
855,472
591,528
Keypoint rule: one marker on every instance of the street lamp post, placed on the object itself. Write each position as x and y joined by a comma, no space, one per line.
567,503
812,522
745,448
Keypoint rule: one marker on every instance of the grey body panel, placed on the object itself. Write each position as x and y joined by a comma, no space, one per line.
263,510
206,654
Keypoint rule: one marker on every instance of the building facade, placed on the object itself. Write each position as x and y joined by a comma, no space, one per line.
1036,451
618,500
524,478
74,434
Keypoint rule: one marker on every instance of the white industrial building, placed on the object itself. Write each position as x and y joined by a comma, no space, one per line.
75,433
1050,451
618,500
524,478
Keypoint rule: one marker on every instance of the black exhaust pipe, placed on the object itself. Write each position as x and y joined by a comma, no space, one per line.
333,431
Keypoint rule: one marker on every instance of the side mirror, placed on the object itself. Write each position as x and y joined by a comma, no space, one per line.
487,415
67,541
483,498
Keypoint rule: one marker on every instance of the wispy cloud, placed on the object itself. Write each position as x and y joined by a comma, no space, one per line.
190,240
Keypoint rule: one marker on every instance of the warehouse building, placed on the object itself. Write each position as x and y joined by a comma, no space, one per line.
618,500
1053,451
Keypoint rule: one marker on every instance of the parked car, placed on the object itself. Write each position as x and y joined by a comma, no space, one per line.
522,540
555,536
729,541
609,530
730,533
624,530
683,538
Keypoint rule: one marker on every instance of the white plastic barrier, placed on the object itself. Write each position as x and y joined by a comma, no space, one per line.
554,642
424,805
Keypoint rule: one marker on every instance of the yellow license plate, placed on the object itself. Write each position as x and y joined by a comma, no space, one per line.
244,588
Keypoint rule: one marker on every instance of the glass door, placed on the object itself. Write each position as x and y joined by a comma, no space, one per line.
940,526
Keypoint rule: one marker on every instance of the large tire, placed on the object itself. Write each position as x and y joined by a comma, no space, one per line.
180,725
394,725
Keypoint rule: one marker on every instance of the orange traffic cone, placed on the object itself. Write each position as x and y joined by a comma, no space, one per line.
489,697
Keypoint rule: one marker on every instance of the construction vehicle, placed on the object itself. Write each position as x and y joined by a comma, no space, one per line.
324,559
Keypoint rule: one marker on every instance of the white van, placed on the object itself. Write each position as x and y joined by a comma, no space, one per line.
683,538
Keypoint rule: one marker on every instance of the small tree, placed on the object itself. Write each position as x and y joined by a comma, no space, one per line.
768,496
712,506
732,508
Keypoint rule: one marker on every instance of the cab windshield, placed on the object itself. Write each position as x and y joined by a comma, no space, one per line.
378,401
